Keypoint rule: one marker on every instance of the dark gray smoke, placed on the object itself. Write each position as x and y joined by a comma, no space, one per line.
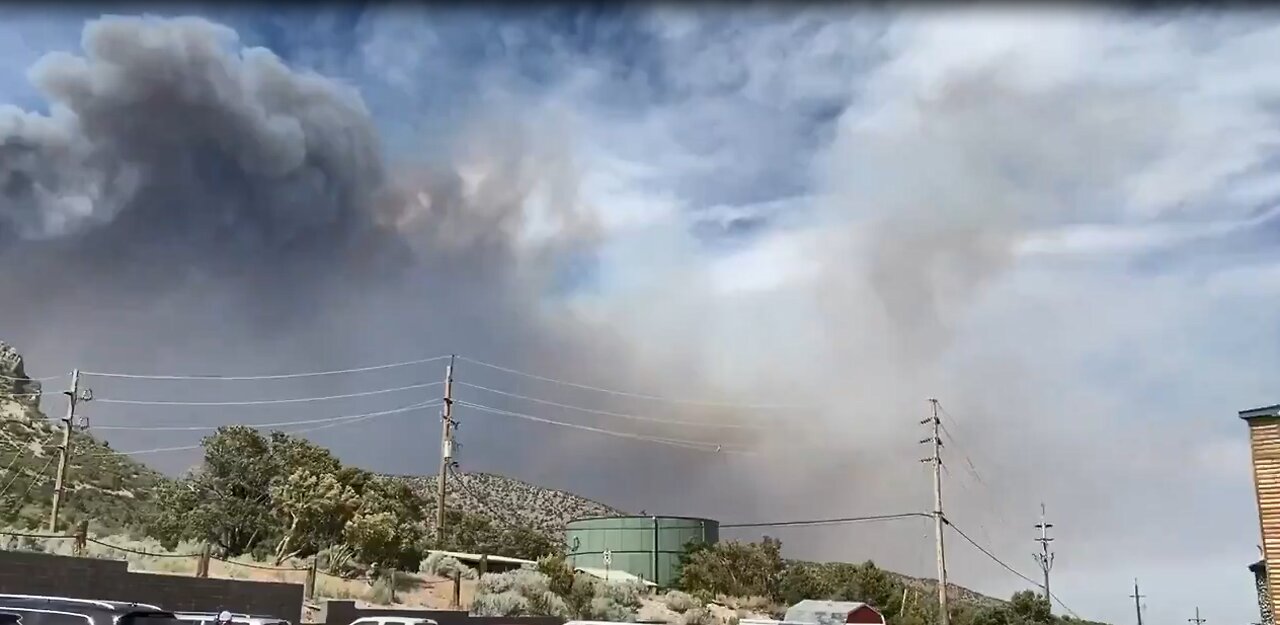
190,207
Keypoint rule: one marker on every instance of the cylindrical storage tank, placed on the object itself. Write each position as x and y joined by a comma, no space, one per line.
647,547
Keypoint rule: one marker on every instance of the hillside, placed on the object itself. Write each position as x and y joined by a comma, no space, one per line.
111,490
544,509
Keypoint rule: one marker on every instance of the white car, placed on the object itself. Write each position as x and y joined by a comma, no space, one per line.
393,620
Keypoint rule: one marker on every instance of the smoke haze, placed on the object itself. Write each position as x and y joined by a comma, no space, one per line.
1055,222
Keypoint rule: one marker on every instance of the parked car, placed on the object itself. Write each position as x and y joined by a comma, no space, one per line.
393,620
42,610
209,618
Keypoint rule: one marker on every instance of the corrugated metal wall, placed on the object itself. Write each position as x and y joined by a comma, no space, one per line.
1264,441
647,547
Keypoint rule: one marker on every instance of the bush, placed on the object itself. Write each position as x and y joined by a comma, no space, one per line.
563,594
627,594
697,616
680,602
383,592
605,609
441,565
500,604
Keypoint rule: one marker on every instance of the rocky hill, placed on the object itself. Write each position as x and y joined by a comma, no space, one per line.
544,509
110,490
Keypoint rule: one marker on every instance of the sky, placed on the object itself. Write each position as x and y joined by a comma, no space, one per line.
1060,222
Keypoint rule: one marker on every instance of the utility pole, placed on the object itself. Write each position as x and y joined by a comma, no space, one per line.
1137,600
1045,557
1197,620
935,440
74,396
446,450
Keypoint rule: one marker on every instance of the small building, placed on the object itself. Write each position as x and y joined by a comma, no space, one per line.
492,564
1264,447
833,613
614,576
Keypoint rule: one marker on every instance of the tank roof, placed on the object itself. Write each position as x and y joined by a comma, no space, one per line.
647,517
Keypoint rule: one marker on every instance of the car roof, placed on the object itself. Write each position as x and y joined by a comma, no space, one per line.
233,615
392,617
47,601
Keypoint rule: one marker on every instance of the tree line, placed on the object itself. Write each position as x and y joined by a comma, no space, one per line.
278,497
757,569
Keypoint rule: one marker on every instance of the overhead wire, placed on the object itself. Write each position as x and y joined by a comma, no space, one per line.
674,442
997,504
39,478
1006,567
19,472
258,402
197,428
608,413
835,521
349,421
286,376
598,389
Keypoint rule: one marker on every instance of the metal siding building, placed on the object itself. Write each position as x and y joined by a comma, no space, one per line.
647,547
1264,445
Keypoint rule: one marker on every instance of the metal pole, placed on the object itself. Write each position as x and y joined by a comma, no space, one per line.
1137,600
1045,558
1197,620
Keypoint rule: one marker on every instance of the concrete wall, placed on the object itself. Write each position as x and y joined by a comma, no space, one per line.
92,578
344,612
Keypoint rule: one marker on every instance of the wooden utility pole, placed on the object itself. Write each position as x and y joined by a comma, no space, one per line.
1137,600
1045,557
935,441
446,450
74,396
1197,620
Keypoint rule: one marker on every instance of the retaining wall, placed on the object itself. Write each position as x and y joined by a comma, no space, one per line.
93,578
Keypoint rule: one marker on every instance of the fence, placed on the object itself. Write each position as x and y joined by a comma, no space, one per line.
81,541
31,572
93,578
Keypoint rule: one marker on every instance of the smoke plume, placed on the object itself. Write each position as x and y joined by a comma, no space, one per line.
187,205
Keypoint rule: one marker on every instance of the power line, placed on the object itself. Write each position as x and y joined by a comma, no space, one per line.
139,402
39,478
1002,563
19,471
625,393
674,442
197,428
606,412
294,432
265,377
836,521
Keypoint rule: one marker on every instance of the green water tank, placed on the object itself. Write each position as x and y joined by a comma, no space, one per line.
646,547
